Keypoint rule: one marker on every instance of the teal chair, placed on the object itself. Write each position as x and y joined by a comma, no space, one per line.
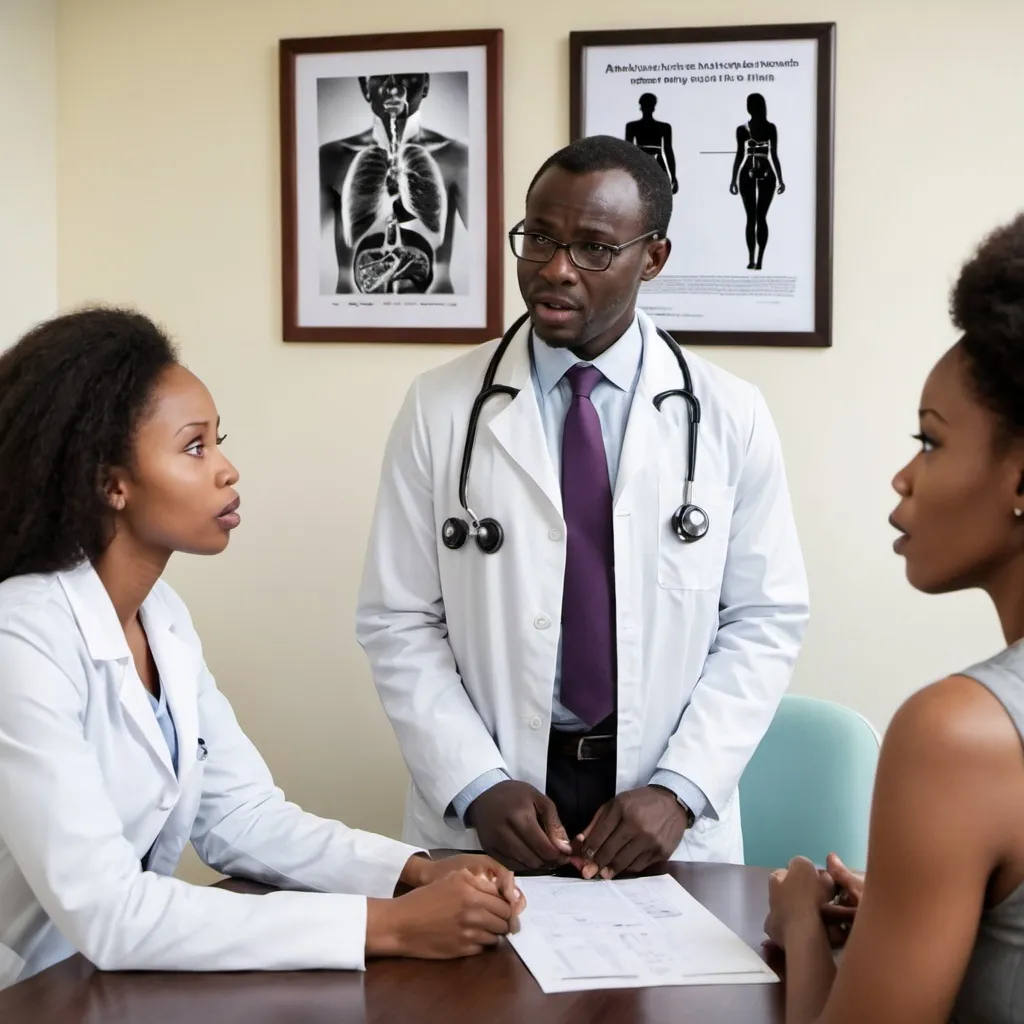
807,789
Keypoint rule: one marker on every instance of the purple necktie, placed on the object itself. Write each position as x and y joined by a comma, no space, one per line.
588,617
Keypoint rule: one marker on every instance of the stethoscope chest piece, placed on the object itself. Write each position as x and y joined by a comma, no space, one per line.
488,534
690,522
454,533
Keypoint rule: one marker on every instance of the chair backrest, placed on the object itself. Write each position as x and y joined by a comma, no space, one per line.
807,789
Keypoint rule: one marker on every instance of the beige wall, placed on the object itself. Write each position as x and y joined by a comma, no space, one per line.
168,198
28,170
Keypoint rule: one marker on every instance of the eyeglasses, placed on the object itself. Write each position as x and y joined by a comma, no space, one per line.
537,248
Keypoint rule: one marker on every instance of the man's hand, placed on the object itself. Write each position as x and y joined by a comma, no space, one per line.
519,826
632,831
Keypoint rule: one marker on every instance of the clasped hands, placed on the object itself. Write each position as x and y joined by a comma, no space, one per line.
802,896
519,826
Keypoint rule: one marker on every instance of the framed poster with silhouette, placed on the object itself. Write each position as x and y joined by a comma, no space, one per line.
740,120
391,187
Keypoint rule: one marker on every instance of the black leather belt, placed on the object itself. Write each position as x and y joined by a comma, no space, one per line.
581,746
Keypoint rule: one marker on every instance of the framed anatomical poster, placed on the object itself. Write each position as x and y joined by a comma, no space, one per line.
392,224
740,119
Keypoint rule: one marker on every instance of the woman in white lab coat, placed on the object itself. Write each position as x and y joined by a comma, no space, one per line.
116,747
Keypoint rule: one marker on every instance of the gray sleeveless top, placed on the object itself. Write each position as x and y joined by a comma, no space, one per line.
993,987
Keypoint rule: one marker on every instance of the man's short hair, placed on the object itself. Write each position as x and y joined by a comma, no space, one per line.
608,153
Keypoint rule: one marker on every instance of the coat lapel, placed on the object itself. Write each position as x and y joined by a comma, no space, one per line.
517,427
649,432
179,665
136,706
97,620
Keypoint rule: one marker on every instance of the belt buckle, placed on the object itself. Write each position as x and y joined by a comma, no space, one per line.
579,750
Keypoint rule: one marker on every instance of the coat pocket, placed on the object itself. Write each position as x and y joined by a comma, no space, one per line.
698,564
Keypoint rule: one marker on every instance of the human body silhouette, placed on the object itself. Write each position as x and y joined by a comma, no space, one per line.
757,174
654,137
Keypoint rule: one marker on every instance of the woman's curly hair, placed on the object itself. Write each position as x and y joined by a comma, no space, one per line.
72,394
987,305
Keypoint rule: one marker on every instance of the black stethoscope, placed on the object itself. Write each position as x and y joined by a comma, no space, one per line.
690,522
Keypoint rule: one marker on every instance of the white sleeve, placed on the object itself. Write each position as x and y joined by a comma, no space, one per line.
400,623
246,827
762,618
66,837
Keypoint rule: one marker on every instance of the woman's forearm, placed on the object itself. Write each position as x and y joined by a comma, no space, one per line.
810,971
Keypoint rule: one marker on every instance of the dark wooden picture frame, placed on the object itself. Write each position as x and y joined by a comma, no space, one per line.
816,329
411,215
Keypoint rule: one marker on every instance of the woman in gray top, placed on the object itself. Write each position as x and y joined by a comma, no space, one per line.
939,931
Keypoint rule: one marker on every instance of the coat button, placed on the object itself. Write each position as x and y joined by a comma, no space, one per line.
536,722
542,622
555,534
167,803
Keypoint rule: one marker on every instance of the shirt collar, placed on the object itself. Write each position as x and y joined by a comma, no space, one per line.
618,364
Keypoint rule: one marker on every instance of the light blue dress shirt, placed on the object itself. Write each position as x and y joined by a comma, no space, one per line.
620,367
166,723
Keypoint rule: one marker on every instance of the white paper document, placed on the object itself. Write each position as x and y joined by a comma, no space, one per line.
634,933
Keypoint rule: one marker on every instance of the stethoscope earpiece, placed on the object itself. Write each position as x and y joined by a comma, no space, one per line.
690,522
454,533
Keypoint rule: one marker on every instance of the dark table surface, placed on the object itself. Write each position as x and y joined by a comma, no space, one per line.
493,987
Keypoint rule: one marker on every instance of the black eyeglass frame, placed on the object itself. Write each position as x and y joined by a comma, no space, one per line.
613,250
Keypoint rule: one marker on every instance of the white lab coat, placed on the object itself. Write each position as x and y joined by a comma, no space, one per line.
463,645
87,789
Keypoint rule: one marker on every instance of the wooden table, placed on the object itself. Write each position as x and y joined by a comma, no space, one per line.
492,988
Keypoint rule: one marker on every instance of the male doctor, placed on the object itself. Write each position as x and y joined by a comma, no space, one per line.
593,689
